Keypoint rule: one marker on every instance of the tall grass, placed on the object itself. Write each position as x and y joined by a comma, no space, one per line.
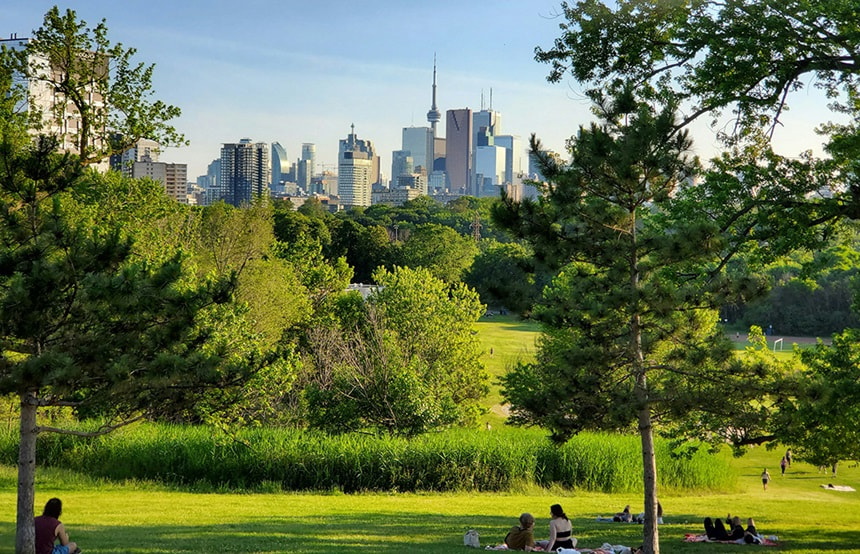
262,459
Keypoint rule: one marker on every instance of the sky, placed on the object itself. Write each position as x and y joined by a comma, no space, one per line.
303,71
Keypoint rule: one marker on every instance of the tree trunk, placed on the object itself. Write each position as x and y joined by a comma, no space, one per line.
25,533
651,539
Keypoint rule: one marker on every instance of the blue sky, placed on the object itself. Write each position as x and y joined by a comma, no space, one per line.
303,71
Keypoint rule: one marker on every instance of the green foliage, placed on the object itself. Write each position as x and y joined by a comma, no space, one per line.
819,420
109,92
204,458
504,274
406,361
439,249
746,55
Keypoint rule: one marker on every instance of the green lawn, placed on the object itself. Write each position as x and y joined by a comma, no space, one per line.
136,518
505,340
145,518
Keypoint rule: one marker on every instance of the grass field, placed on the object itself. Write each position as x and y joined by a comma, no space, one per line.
141,518
506,340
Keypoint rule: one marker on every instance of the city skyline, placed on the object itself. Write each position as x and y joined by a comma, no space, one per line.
299,72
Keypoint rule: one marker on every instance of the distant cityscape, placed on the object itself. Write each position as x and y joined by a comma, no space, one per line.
473,158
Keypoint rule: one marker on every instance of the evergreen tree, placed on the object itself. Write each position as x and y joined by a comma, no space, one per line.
83,323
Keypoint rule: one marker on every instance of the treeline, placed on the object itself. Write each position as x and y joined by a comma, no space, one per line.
811,292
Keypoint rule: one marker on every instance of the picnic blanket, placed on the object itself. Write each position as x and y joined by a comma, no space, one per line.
691,537
843,488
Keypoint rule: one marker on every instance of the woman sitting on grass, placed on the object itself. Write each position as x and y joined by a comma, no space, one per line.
49,529
559,531
521,537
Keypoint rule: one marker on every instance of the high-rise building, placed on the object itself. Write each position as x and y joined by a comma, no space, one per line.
305,166
401,164
418,141
280,165
174,177
458,150
489,169
245,172
143,150
60,117
514,159
486,125
356,173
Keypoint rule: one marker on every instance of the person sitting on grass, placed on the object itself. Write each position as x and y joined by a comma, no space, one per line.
49,529
560,530
521,537
624,516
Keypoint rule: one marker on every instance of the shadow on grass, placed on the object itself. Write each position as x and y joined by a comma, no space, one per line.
360,533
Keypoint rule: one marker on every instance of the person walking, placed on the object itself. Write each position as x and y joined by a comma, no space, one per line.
765,478
782,465
788,457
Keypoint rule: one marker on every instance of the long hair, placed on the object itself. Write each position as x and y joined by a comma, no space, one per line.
556,511
53,508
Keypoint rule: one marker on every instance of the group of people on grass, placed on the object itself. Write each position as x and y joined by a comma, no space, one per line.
521,537
716,530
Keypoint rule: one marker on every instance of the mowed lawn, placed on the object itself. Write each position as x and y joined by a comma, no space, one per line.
505,340
147,518
139,518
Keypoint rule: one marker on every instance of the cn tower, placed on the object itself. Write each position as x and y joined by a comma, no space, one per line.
434,116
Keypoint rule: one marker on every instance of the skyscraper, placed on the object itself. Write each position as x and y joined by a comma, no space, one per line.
305,166
401,164
354,144
458,154
245,172
143,150
355,170
280,165
514,160
419,142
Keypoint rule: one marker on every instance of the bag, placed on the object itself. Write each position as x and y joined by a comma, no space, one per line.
568,551
471,539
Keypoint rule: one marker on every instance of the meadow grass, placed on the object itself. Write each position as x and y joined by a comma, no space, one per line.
141,517
295,460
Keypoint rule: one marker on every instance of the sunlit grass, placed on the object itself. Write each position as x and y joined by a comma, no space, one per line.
141,518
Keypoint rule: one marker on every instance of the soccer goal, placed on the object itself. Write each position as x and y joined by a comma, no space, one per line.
777,343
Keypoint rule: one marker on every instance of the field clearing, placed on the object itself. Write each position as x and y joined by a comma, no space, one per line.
141,517
145,518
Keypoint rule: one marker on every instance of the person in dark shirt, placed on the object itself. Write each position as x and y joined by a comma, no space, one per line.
49,530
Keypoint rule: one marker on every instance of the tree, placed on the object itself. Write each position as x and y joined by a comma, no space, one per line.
405,361
109,94
82,324
818,420
630,337
504,274
441,250
747,55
